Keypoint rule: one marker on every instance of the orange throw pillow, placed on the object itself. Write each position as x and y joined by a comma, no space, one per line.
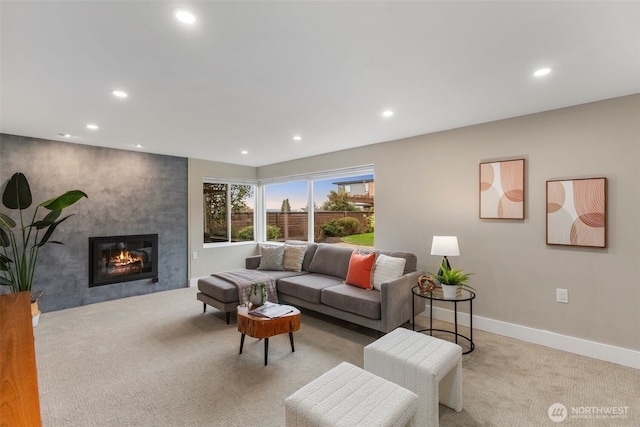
360,266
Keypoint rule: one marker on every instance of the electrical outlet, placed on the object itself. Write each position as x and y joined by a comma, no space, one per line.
195,255
562,295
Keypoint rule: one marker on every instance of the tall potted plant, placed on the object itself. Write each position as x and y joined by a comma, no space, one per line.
19,254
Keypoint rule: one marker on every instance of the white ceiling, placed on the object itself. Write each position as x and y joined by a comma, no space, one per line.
249,75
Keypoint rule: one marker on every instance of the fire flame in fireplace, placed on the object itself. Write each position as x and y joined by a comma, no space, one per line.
125,258
123,263
116,259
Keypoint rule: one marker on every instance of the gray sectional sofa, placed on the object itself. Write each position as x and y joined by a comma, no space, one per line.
320,287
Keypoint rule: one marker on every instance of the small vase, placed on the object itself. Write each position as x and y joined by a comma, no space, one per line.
449,291
258,294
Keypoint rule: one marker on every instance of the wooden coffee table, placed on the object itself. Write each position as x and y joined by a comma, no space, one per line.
262,327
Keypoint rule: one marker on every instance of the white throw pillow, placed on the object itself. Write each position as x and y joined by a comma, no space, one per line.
387,268
272,257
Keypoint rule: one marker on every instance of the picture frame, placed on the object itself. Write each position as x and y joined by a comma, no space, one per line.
502,189
577,212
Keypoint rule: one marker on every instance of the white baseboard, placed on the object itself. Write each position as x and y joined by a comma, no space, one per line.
596,350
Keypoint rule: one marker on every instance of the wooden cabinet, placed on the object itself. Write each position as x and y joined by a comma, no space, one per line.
19,400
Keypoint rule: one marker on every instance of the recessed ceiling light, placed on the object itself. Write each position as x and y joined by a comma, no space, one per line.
139,146
297,138
245,152
92,126
387,113
65,135
542,72
184,16
119,94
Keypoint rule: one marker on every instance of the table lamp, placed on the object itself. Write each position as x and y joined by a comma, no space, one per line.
445,246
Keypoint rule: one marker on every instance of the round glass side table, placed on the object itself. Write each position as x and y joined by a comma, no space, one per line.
465,295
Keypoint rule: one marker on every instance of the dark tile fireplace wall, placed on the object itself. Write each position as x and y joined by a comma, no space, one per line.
129,193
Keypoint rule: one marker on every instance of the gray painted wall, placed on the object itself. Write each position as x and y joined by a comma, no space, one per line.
129,193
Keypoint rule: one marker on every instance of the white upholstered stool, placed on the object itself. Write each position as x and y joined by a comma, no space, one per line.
428,366
348,396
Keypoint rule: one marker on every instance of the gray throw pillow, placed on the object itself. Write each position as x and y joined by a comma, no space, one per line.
272,257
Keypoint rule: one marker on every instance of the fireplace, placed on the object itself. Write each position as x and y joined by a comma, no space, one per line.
116,259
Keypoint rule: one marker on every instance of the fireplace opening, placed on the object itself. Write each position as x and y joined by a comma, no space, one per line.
115,259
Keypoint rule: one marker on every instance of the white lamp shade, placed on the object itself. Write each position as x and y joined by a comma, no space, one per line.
445,246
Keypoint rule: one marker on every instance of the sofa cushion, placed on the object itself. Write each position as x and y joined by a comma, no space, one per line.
387,268
293,257
277,275
353,300
331,260
271,257
308,256
411,263
360,269
307,287
219,289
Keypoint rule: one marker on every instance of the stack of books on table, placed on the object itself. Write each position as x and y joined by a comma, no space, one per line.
271,310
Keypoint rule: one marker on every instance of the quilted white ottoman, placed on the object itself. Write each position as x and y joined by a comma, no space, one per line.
428,366
347,396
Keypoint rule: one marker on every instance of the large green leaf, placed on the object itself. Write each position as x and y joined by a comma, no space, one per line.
49,232
4,261
5,240
6,222
5,282
17,194
47,220
63,201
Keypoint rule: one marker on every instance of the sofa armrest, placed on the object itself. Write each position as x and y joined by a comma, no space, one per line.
396,300
252,262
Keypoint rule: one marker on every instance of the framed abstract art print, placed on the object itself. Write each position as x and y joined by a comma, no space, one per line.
577,212
502,189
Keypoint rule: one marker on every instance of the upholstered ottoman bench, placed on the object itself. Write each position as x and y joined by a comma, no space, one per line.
347,396
227,289
428,366
218,293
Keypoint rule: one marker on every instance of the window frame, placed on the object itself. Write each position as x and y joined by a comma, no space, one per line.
310,178
260,212
256,213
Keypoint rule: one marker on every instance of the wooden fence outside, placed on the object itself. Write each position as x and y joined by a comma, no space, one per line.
293,225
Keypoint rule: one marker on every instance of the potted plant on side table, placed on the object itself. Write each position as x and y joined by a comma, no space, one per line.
451,280
19,247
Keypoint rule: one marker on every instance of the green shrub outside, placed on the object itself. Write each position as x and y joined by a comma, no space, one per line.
349,226
246,233
371,223
331,228
341,227
273,232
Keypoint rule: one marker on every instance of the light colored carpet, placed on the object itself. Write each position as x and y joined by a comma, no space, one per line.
157,360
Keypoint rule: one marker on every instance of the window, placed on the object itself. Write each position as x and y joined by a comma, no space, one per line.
311,207
287,211
341,209
319,207
228,212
